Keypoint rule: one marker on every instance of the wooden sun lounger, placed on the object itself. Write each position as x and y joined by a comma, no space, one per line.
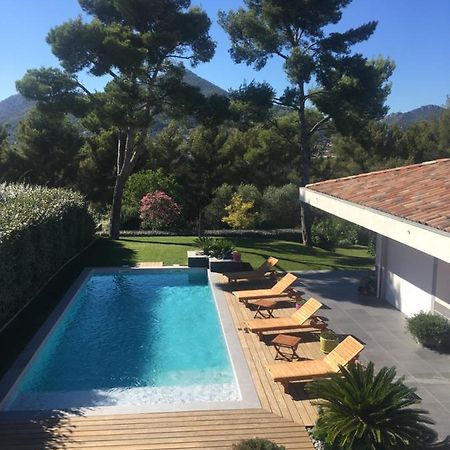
278,290
302,318
302,371
264,270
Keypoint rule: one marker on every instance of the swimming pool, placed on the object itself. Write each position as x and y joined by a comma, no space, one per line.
144,338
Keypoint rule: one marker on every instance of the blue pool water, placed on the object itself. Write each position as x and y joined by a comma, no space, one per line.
132,337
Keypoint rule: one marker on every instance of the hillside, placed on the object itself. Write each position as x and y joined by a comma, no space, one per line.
14,109
404,120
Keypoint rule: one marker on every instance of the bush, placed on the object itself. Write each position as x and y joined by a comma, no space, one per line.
40,230
158,210
215,210
257,444
129,217
330,232
429,329
205,244
281,207
239,213
223,196
140,184
359,409
222,248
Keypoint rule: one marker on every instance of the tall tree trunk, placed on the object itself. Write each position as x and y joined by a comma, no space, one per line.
114,224
127,154
305,149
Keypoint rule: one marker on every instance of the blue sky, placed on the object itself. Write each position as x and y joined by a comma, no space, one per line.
414,33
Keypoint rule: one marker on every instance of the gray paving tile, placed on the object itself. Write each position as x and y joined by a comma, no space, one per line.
383,329
430,355
385,338
446,406
421,372
425,395
439,366
440,391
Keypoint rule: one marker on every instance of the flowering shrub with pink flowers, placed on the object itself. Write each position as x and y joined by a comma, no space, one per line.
158,210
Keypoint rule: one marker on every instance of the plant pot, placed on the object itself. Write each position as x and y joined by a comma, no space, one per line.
327,345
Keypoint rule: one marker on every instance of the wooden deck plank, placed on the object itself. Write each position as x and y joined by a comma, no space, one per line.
301,411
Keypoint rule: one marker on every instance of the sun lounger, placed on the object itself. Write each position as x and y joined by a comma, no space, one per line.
264,270
278,290
302,318
307,370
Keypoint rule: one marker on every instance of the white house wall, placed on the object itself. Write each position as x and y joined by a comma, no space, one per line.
407,277
442,290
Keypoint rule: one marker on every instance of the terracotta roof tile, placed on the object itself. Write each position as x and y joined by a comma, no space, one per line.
420,192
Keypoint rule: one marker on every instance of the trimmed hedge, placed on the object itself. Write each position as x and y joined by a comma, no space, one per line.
40,230
284,234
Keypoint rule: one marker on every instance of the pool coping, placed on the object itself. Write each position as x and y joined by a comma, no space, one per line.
249,396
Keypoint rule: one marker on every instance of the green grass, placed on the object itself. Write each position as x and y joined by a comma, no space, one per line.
170,250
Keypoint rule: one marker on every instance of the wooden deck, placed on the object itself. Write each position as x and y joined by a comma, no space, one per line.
295,406
282,417
190,430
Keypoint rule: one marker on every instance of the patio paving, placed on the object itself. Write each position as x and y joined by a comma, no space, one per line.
382,328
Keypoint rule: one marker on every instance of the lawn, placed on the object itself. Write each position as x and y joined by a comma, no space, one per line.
172,250
169,250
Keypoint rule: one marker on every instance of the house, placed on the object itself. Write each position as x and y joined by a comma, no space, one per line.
409,209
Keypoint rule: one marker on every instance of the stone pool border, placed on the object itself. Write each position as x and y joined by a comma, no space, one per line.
249,396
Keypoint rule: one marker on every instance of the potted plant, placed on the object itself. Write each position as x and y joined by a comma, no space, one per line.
205,245
328,341
299,302
222,249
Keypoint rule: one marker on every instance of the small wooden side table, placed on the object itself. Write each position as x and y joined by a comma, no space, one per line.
265,308
284,341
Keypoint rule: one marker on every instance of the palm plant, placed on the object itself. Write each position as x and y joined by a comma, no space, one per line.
362,410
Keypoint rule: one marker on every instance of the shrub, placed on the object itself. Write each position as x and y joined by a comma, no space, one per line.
215,210
40,230
281,206
239,213
325,234
129,217
222,248
257,444
250,193
362,410
205,244
158,210
329,232
223,196
140,184
429,329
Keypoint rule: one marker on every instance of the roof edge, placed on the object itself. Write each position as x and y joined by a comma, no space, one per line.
377,172
424,238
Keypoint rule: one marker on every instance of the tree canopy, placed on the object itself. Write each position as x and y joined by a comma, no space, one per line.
136,43
320,68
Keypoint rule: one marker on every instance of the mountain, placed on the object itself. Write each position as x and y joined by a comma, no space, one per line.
406,119
14,109
206,87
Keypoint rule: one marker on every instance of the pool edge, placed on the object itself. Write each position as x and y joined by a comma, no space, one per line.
12,377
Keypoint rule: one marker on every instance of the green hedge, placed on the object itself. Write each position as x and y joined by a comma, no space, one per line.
40,230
